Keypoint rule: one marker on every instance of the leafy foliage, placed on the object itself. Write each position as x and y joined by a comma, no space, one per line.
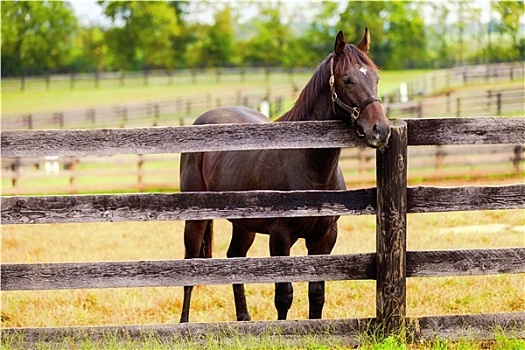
36,36
43,37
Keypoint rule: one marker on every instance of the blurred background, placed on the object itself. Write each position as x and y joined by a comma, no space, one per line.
97,64
103,36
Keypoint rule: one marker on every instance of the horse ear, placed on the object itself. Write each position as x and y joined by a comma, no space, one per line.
364,44
340,43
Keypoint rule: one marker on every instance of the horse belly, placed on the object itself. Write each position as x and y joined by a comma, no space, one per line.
299,227
247,171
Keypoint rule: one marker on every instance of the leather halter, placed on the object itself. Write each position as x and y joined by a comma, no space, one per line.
354,111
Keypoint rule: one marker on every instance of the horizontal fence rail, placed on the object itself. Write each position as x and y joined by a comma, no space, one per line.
453,327
227,137
167,273
243,205
239,205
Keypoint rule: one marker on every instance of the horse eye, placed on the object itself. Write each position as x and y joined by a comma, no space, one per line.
347,81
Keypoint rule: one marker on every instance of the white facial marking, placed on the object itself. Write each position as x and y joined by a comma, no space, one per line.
363,70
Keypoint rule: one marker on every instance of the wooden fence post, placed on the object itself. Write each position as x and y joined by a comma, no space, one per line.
73,175
29,121
498,103
140,172
391,231
518,150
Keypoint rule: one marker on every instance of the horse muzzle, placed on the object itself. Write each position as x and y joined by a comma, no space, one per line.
376,135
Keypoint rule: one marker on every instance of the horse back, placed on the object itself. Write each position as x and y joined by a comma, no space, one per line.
230,115
191,169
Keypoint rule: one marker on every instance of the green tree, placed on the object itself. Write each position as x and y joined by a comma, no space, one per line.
371,14
438,47
396,29
214,45
89,50
36,36
142,35
405,46
269,44
318,38
511,13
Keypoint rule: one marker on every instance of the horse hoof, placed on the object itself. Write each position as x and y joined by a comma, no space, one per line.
244,318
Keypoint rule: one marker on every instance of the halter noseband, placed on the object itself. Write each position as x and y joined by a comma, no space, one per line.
354,111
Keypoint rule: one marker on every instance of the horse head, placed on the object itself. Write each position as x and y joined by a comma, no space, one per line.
353,83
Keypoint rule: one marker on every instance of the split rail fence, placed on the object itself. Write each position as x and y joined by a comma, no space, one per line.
390,201
160,172
179,111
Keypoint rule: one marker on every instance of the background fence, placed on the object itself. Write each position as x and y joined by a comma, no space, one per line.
153,77
50,174
420,94
390,201
458,76
160,172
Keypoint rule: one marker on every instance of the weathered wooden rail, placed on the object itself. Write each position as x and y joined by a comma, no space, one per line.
390,265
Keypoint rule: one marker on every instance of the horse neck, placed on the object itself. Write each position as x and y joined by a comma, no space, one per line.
321,110
314,102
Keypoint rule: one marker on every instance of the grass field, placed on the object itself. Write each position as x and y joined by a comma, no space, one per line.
163,240
38,99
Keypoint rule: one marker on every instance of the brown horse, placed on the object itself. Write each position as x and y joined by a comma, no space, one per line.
344,87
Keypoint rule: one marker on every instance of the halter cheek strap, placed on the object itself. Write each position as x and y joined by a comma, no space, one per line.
354,111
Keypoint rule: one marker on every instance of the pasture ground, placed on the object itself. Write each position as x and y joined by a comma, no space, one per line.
37,98
163,240
345,299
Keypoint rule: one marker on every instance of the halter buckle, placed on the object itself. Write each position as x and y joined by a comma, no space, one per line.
355,114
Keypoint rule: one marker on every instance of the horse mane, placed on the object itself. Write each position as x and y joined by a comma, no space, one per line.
308,97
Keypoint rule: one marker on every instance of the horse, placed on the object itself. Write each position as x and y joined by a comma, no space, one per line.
343,87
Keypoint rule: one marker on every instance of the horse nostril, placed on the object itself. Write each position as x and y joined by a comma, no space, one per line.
376,132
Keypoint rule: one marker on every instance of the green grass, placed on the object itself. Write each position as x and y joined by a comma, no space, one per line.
265,341
38,99
163,240
345,299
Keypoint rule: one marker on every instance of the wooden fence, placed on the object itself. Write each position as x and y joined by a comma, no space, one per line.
390,201
181,111
459,76
506,101
177,111
160,172
146,77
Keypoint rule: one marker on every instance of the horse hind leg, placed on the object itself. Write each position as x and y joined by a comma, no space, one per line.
198,239
316,290
240,243
281,242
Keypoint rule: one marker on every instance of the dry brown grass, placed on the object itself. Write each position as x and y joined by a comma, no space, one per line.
163,240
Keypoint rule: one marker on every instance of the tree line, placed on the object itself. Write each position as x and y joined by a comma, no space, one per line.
46,37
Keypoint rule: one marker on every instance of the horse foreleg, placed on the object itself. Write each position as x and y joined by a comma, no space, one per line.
316,299
241,241
283,299
185,315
